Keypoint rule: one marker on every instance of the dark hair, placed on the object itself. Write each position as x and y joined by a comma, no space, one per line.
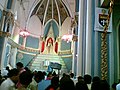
72,75
13,72
26,77
81,85
66,83
80,78
39,76
104,85
19,64
114,85
7,68
87,79
96,78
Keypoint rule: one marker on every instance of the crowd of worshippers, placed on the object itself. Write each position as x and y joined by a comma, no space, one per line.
21,78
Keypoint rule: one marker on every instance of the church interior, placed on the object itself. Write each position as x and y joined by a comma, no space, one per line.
79,36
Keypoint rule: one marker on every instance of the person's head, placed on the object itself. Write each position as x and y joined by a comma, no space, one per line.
80,78
64,74
54,74
19,65
25,78
66,83
81,85
7,68
13,74
71,75
104,85
39,76
49,76
95,79
55,80
114,86
87,79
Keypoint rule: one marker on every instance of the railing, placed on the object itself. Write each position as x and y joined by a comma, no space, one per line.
27,49
31,60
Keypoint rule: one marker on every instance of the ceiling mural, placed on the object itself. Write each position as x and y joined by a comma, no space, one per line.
51,9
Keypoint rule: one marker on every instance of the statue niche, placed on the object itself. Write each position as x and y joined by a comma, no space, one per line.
49,44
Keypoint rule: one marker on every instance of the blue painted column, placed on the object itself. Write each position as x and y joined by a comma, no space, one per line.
3,39
96,44
3,42
6,30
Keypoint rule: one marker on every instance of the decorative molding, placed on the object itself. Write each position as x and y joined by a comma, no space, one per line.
64,52
23,52
5,34
75,38
66,56
20,56
20,47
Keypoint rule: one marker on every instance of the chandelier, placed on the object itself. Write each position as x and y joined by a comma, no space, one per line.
67,38
24,33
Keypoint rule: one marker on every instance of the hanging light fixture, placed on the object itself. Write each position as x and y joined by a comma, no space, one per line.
67,38
24,32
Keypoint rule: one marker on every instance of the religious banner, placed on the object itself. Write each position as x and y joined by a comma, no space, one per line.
101,15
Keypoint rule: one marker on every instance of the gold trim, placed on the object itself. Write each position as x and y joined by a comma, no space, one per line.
26,52
104,52
64,52
66,56
5,34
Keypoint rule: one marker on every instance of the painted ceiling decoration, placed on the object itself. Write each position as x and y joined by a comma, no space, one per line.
51,9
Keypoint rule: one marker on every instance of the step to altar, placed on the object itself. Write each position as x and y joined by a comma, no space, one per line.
42,61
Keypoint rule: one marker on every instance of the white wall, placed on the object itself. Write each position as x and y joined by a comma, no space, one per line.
35,26
3,4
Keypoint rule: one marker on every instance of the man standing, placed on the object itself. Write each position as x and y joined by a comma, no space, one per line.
20,67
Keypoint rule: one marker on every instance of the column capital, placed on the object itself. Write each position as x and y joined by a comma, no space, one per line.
5,34
75,38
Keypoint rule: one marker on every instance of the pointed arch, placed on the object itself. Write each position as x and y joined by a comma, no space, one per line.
54,27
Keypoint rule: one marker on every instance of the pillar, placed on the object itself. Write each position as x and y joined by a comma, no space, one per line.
96,73
12,59
73,59
3,20
3,43
7,21
88,38
80,37
24,41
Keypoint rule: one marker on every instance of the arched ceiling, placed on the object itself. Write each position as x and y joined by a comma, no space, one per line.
36,14
51,9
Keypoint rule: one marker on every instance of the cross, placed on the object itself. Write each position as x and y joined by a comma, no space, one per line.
103,22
